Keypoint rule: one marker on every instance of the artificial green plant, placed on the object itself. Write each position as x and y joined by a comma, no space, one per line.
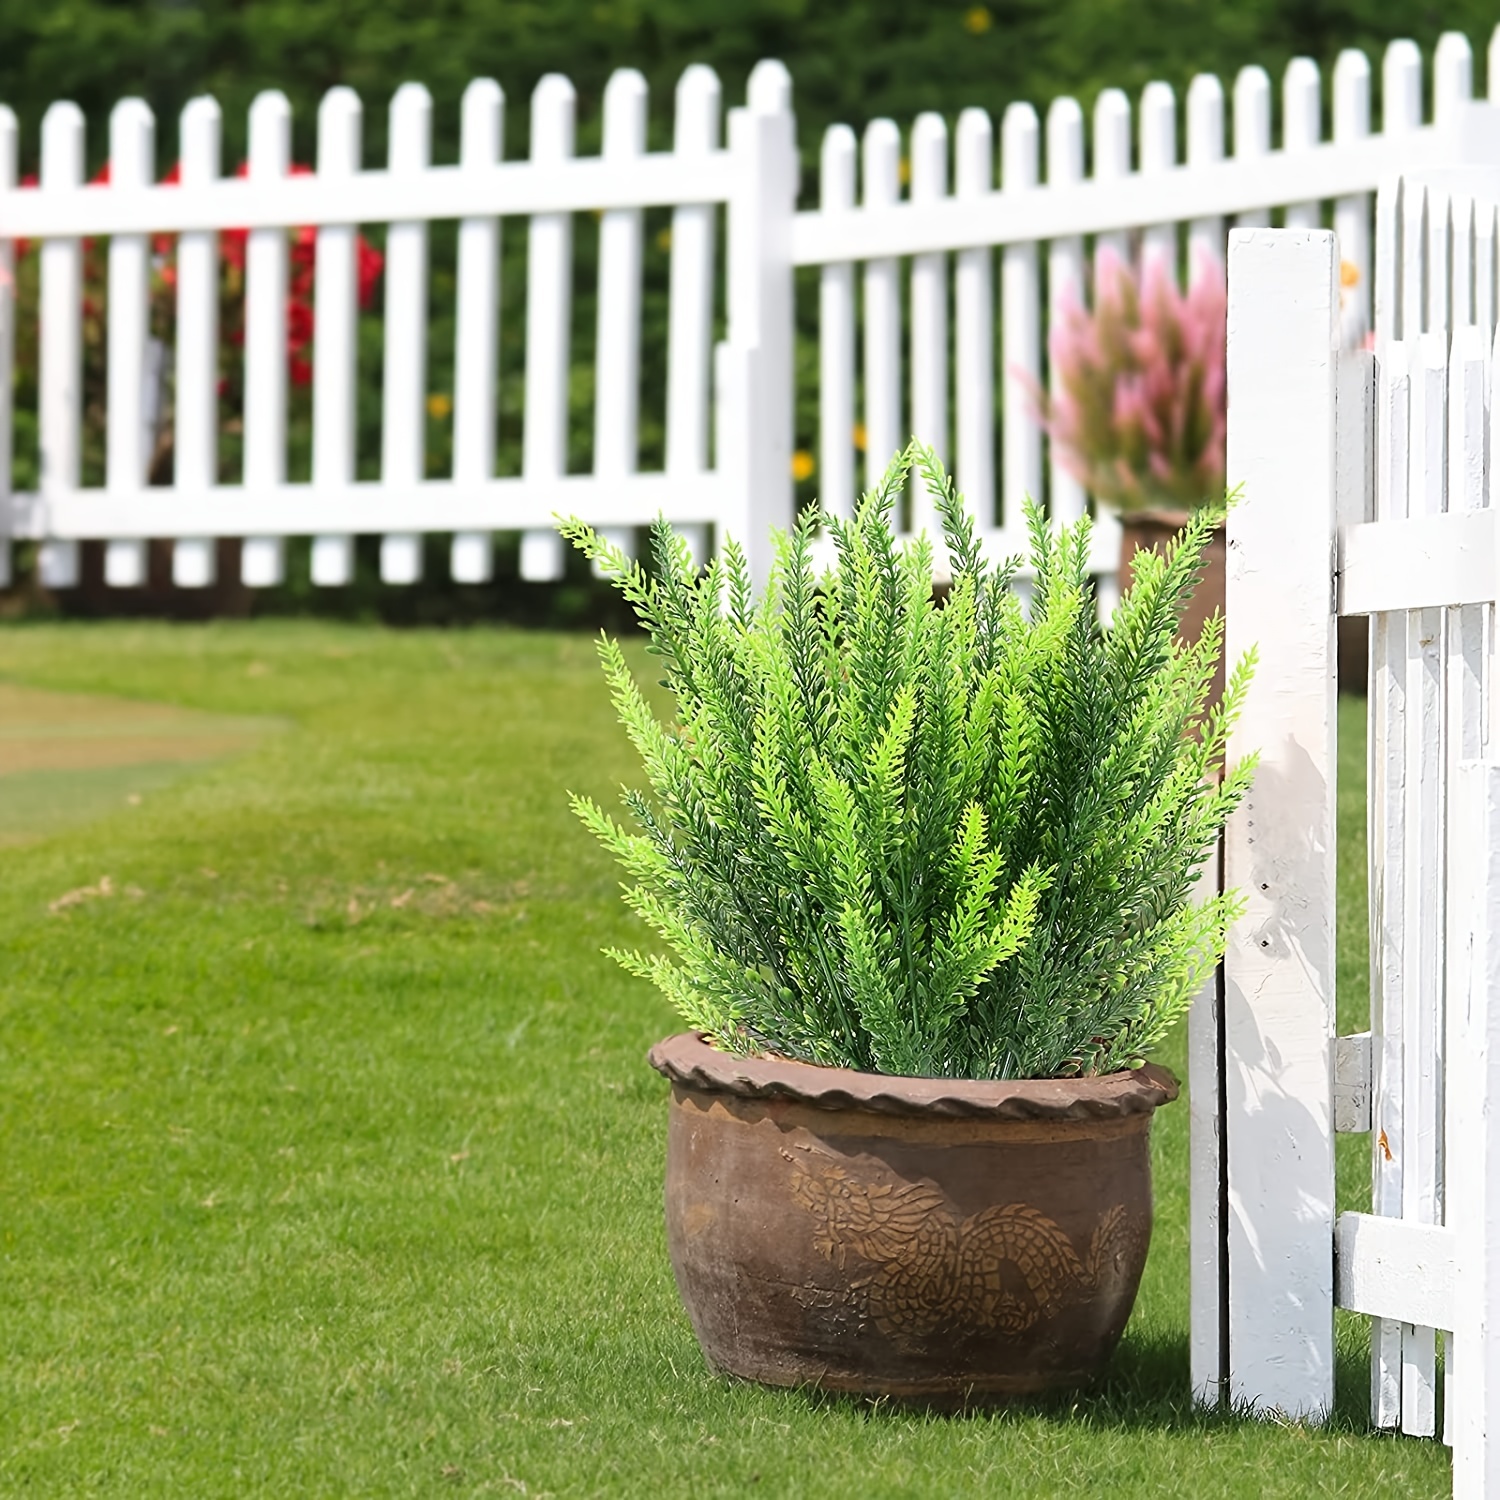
952,838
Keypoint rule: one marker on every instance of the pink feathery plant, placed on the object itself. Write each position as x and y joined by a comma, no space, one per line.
1137,409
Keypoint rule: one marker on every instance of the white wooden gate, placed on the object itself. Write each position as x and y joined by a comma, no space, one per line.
1368,491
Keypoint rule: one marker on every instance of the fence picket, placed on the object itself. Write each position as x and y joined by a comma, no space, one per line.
335,333
1252,130
1205,145
1423,915
1401,88
836,333
1279,845
9,136
477,330
1112,157
617,357
403,427
974,346
1301,128
1159,154
60,357
1065,287
1473,1085
1387,855
1351,214
1467,630
549,325
1020,325
132,153
1484,266
1452,75
881,153
929,312
195,443
697,132
263,558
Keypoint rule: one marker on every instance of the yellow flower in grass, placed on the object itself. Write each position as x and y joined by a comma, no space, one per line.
860,437
802,465
439,404
978,20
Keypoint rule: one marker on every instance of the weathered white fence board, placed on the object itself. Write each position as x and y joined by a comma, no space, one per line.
1280,846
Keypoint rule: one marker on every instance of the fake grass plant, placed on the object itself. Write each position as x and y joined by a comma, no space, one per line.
953,839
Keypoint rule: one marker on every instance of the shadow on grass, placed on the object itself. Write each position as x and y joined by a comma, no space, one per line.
1146,1387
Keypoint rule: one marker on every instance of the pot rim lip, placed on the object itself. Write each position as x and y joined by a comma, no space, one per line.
692,1062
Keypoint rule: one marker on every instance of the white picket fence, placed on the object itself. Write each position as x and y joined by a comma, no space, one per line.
1369,491
729,411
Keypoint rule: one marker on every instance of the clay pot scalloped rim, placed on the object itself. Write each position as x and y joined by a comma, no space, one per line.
691,1059
945,1243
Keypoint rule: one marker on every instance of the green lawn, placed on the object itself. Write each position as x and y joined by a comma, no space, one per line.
330,1163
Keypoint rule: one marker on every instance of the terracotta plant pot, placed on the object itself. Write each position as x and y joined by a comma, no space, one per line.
936,1240
1150,531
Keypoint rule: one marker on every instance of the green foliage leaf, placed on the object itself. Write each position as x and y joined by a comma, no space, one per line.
942,838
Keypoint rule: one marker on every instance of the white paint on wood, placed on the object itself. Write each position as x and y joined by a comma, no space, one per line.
8,178
1021,321
1423,918
549,325
1401,88
195,458
477,326
127,446
1065,287
617,345
263,559
1302,126
1158,156
1387,853
60,357
335,332
1452,75
1396,1269
1207,1285
1252,131
755,412
1280,846
1419,564
1112,161
929,313
403,428
1473,1210
1351,1083
1205,147
1351,212
974,325
836,332
884,429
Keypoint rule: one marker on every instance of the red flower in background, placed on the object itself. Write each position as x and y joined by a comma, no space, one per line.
233,248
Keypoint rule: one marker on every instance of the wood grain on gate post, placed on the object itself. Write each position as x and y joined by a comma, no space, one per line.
1280,847
1474,1172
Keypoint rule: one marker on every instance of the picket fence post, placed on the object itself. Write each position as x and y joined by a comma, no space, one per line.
1473,1109
1280,845
754,366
